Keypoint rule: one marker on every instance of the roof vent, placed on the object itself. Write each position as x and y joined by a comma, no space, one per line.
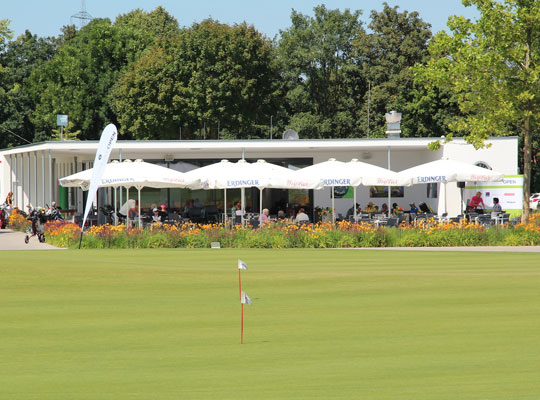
393,124
290,134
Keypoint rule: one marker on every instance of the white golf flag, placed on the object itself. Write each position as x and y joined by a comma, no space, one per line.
245,299
241,264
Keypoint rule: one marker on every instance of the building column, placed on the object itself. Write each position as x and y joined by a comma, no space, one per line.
10,173
43,178
20,200
35,181
51,172
15,186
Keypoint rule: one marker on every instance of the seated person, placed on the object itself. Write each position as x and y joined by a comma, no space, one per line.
150,211
301,216
281,214
264,216
238,209
496,206
156,217
414,209
350,211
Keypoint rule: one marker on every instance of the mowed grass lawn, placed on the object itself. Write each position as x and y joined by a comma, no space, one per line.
324,324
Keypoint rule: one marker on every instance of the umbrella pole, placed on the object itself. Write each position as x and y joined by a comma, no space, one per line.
139,208
127,213
445,198
260,202
461,204
225,207
333,207
115,214
242,198
354,202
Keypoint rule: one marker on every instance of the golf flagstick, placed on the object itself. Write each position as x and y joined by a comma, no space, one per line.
244,299
242,266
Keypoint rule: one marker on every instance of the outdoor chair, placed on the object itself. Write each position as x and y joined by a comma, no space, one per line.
504,218
484,219
403,218
254,223
211,214
392,222
195,215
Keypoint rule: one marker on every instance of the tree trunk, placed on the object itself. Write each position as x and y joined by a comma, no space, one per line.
526,168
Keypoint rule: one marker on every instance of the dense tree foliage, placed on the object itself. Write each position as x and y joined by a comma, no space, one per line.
322,74
18,61
399,40
208,74
492,67
78,80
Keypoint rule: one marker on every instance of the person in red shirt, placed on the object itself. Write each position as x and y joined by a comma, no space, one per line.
477,202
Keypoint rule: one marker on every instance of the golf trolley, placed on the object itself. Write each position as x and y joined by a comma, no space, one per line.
38,218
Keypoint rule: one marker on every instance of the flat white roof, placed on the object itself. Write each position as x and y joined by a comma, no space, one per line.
228,148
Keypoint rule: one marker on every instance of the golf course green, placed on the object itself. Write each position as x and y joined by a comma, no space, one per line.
324,324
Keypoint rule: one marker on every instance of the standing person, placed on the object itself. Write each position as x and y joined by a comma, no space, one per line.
134,211
9,204
477,203
163,212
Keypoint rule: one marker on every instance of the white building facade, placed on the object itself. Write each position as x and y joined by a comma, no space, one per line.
31,172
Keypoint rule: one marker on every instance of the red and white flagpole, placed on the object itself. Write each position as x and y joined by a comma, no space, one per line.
242,265
239,284
242,326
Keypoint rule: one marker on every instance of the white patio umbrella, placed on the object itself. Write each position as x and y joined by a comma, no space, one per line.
128,174
353,173
372,175
446,170
333,173
242,174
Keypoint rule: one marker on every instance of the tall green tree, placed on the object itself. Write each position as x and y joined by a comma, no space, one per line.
209,74
397,41
21,56
321,71
492,68
79,79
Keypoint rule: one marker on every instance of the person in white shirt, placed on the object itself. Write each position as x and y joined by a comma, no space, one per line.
496,206
301,216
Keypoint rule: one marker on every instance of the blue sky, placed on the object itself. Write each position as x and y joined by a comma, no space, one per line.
45,18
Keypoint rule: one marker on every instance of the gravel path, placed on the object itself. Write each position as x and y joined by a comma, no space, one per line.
12,240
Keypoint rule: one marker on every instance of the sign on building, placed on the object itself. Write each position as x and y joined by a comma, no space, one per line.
509,192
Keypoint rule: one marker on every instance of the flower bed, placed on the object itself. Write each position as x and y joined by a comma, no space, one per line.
283,235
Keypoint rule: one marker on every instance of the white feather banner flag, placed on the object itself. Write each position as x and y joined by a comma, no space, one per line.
106,143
